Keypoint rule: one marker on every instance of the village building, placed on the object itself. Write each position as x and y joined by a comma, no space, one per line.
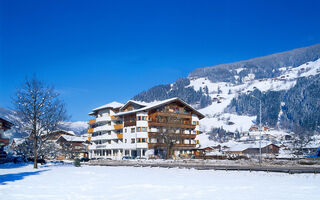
65,143
53,136
72,146
141,129
253,149
4,125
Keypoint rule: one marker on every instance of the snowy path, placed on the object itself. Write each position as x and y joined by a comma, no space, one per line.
94,182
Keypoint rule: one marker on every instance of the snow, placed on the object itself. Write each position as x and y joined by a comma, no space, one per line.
216,113
94,182
157,104
113,104
241,122
74,138
239,70
77,127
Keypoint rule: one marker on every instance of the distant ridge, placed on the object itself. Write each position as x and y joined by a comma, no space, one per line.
262,67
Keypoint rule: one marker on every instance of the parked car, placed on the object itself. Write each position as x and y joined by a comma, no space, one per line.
128,158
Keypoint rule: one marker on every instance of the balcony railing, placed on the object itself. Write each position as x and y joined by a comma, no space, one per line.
118,126
178,135
173,114
113,117
153,145
165,124
91,121
90,130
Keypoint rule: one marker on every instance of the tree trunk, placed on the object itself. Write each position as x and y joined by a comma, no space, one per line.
35,157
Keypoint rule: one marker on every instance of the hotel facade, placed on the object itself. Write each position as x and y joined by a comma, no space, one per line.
147,130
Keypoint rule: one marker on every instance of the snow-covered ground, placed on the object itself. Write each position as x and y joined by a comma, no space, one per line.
94,182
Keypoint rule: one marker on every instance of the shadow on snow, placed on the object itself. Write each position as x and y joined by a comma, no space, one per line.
12,165
17,176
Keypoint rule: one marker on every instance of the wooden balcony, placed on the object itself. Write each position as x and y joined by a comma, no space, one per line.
129,123
153,145
91,121
120,136
113,117
118,126
90,130
178,135
172,114
4,141
154,123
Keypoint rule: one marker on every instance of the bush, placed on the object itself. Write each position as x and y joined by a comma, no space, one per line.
77,162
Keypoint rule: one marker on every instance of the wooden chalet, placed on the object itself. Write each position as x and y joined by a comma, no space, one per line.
4,125
75,146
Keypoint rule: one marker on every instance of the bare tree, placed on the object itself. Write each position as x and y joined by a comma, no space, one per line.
41,111
302,139
167,135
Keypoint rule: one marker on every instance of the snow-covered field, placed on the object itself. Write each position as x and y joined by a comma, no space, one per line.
94,182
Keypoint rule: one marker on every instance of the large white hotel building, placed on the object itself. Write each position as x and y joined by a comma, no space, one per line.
141,129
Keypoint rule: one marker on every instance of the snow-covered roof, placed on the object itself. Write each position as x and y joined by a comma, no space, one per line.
160,103
70,138
18,141
135,102
242,146
112,105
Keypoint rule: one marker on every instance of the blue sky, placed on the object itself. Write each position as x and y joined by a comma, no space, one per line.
95,52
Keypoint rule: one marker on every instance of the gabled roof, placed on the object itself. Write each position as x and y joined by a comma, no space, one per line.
160,103
242,147
18,141
67,132
113,105
140,103
70,138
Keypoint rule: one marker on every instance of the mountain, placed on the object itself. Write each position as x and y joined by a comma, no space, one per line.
287,83
261,67
79,127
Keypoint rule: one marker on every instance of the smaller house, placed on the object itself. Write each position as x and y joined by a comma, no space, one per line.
212,149
253,149
53,136
16,142
73,146
4,126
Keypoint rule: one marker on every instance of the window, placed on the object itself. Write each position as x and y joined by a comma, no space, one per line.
144,118
139,118
125,140
125,130
133,130
194,123
133,140
139,129
143,140
138,140
144,129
